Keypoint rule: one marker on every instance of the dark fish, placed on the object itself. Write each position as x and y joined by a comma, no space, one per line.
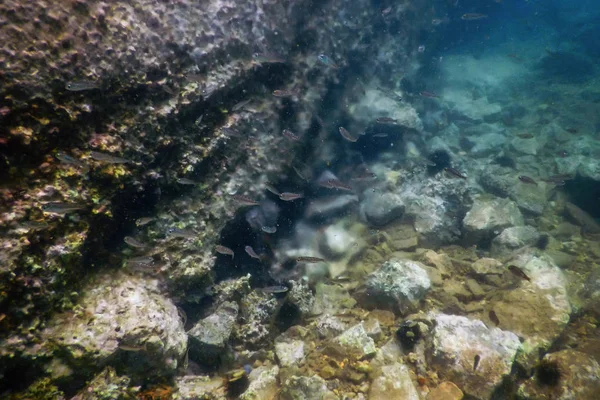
274,289
61,208
269,229
473,16
528,180
290,135
231,132
429,95
224,250
240,105
571,130
245,201
287,196
144,221
285,93
347,135
143,260
181,233
250,251
518,272
108,158
525,135
494,318
67,159
386,120
476,361
133,242
455,172
325,60
186,181
308,259
335,184
78,86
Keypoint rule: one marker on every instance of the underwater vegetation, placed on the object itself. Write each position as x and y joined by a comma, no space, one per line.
299,200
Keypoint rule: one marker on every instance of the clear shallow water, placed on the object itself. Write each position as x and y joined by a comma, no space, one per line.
367,200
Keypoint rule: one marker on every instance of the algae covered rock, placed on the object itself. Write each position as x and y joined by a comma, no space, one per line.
354,343
393,381
514,238
306,388
123,321
289,352
107,385
470,354
488,217
209,336
379,209
263,384
398,285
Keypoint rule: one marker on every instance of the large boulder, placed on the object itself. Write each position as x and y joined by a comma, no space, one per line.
209,336
488,217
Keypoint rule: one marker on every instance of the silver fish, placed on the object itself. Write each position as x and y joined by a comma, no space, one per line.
244,200
272,189
347,135
274,289
77,86
62,208
143,260
287,196
266,58
186,181
108,158
269,229
250,251
33,225
240,105
144,221
198,121
224,250
67,159
181,233
133,242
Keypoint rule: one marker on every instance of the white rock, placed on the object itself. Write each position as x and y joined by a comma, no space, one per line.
289,353
488,217
393,382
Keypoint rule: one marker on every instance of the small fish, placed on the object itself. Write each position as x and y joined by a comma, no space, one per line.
516,271
231,132
455,172
386,120
133,242
347,135
325,60
192,77
250,251
335,184
198,121
272,189
126,347
476,361
261,58
287,196
33,225
245,201
365,176
563,154
268,229
472,16
240,105
494,318
186,181
528,180
571,130
380,135
284,93
390,93
108,158
429,95
144,221
386,11
308,259
421,49
78,86
558,180
67,159
525,135
143,260
224,250
61,208
274,289
290,135
181,233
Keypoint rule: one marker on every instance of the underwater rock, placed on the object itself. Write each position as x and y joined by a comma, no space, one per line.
331,299
379,209
209,336
354,343
527,146
512,239
582,218
392,381
397,285
263,384
289,352
488,217
566,374
194,387
306,388
455,343
488,270
328,326
440,261
445,391
336,241
374,103
486,145
301,297
106,385
122,321
258,311
537,311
